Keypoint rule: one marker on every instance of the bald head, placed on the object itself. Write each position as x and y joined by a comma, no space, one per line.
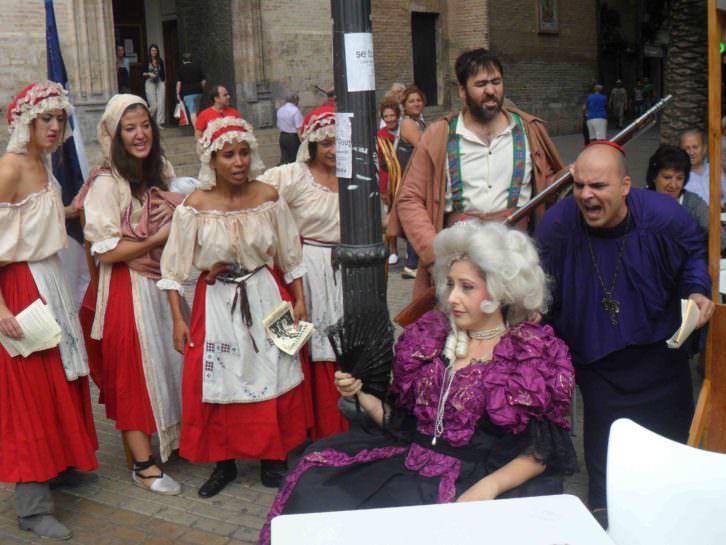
601,185
603,155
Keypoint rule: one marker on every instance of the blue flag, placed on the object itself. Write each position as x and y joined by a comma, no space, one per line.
69,159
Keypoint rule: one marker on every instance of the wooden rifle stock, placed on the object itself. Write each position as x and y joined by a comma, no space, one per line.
427,300
561,183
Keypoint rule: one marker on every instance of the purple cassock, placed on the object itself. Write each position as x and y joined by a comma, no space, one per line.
623,366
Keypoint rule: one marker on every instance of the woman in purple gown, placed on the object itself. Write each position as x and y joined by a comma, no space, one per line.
478,405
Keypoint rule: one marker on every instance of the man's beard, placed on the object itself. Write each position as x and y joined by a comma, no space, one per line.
480,112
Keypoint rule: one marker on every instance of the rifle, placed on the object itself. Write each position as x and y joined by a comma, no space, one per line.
561,183
427,300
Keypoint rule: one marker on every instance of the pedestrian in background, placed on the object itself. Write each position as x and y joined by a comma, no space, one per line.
389,169
597,114
618,103
220,108
289,121
190,85
412,126
155,86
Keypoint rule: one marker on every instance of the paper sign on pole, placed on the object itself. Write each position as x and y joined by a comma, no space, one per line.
359,62
343,145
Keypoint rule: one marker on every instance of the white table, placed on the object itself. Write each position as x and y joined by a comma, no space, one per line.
543,520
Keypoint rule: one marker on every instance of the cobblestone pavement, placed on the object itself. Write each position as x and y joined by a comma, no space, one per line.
112,511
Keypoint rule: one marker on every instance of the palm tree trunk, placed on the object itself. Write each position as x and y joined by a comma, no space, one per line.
686,71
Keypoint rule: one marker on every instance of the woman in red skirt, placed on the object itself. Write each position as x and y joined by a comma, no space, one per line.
46,425
242,396
310,188
128,209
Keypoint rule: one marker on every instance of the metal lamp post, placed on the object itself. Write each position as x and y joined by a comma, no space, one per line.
361,253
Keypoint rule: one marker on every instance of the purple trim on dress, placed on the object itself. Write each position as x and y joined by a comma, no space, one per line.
324,458
428,463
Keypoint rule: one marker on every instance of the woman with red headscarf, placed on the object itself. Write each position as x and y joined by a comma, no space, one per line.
310,187
46,425
242,396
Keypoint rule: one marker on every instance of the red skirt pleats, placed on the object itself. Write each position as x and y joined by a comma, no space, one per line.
212,432
46,423
122,372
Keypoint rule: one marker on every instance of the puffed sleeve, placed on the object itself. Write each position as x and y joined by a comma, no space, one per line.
289,250
530,377
103,208
418,345
284,179
178,256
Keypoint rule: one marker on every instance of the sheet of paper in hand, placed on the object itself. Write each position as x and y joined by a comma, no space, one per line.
689,319
280,327
40,331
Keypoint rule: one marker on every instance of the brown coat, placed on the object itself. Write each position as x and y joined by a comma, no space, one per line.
419,207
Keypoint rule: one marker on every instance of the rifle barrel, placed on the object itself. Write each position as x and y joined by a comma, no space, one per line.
621,138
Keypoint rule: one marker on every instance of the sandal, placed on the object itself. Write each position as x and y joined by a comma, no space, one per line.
160,484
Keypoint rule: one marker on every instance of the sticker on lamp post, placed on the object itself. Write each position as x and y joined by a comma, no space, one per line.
343,145
359,68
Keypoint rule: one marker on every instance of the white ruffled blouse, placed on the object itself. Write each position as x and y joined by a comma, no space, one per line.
314,206
33,228
251,238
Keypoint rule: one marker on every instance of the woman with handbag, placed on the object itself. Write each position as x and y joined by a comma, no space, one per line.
155,86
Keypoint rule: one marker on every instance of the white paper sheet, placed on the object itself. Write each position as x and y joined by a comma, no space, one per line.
40,331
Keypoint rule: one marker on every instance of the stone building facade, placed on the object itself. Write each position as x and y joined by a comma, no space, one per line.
264,49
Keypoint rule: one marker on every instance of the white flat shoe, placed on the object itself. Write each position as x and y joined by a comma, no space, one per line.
393,259
159,484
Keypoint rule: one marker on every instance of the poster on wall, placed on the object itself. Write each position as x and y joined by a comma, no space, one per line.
548,17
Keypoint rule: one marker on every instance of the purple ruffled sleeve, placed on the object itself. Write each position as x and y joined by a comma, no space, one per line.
530,376
418,345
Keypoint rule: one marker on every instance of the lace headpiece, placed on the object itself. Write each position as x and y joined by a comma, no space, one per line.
319,125
32,101
223,131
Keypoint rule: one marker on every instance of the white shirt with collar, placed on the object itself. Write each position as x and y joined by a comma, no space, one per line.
289,118
699,183
486,171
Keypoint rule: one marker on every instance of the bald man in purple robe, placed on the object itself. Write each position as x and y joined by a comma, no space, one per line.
621,259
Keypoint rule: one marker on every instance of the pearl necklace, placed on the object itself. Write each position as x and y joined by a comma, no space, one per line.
446,383
486,334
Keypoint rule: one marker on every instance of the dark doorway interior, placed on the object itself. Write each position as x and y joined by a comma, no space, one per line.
171,62
129,25
423,32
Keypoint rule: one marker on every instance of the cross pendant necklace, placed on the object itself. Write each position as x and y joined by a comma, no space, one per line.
611,306
609,303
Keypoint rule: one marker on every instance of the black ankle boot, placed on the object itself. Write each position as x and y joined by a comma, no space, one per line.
272,472
224,473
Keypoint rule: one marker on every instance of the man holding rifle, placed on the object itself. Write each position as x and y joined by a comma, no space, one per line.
621,260
483,161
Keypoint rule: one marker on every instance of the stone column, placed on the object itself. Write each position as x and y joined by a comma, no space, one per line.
254,98
90,60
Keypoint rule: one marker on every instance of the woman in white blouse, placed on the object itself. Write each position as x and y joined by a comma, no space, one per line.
46,424
310,188
242,396
127,211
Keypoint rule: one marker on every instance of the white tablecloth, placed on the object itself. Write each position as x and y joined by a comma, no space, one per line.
543,520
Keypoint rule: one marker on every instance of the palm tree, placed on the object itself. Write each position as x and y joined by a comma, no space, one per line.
686,71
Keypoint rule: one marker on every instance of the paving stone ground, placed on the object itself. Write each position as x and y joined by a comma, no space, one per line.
113,511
